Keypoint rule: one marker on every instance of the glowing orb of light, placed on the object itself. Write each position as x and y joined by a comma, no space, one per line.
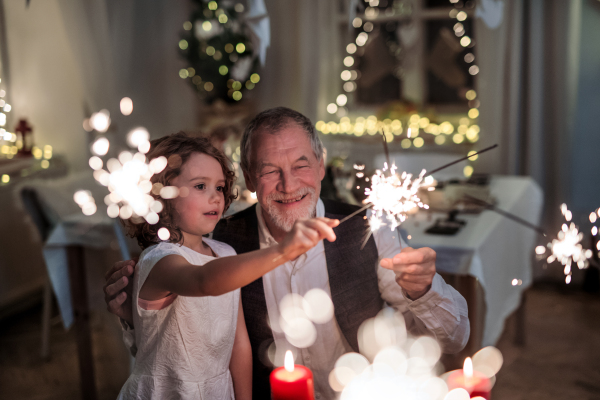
350,365
488,361
393,357
82,197
100,121
138,136
126,106
427,349
113,211
151,217
163,234
300,332
95,163
318,306
101,146
540,250
89,208
458,394
169,192
158,164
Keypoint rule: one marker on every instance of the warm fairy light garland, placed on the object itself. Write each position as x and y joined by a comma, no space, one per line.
10,147
465,131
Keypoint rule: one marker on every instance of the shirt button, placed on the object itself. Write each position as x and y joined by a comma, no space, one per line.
318,395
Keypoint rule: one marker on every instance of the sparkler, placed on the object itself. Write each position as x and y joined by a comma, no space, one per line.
128,176
392,194
567,248
506,214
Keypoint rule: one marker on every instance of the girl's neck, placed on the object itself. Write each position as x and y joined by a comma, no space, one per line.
196,243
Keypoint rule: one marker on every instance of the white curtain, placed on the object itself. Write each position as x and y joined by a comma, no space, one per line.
528,87
304,60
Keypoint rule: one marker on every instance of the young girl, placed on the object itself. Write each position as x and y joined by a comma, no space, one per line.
189,324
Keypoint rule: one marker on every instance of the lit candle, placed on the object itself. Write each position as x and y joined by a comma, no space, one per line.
292,382
474,382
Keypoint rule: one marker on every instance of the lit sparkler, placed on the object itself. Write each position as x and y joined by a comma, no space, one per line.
126,177
567,248
394,195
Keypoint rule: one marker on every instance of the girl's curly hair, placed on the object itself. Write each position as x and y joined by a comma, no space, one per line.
177,148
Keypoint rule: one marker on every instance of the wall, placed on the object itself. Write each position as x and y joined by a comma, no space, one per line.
65,58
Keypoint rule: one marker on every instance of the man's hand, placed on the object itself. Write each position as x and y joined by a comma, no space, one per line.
118,288
414,268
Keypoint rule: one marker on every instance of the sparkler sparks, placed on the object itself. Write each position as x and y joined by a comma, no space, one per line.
567,248
126,177
393,195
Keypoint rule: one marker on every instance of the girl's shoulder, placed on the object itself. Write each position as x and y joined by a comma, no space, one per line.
155,252
221,249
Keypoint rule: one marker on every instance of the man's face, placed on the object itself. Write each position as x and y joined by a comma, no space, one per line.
286,175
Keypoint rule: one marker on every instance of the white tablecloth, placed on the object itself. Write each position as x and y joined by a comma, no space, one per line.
490,247
74,228
92,232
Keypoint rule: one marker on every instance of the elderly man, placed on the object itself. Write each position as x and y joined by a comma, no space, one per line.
282,161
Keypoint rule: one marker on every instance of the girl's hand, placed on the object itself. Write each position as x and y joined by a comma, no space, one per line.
305,235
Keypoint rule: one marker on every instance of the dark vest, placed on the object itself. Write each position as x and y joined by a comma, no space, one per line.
352,279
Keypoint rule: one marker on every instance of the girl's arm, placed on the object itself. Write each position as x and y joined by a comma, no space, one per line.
240,365
173,274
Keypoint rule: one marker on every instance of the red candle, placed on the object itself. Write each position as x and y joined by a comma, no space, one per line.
292,382
474,382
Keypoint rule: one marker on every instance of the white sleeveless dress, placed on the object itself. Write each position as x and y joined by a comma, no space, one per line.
184,349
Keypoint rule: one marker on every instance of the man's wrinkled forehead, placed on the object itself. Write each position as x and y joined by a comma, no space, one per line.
272,140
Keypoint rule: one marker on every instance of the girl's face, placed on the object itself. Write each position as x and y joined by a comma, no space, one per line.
203,180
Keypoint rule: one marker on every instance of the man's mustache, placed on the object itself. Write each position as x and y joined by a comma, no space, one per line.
299,193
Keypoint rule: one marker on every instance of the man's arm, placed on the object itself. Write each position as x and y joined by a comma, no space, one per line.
118,288
408,282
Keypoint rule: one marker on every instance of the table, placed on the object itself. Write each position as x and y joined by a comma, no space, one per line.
491,248
22,272
64,257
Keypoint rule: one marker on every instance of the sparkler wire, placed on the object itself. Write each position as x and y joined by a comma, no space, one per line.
435,170
461,159
506,214
347,217
386,150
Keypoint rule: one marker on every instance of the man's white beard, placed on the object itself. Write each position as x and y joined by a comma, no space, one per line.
285,221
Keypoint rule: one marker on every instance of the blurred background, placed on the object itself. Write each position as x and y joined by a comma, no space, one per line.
438,79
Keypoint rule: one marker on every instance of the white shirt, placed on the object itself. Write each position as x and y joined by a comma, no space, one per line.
441,312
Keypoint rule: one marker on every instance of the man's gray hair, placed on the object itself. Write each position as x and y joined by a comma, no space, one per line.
272,120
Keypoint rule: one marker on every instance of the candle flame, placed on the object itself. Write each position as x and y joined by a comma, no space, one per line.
289,361
468,368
